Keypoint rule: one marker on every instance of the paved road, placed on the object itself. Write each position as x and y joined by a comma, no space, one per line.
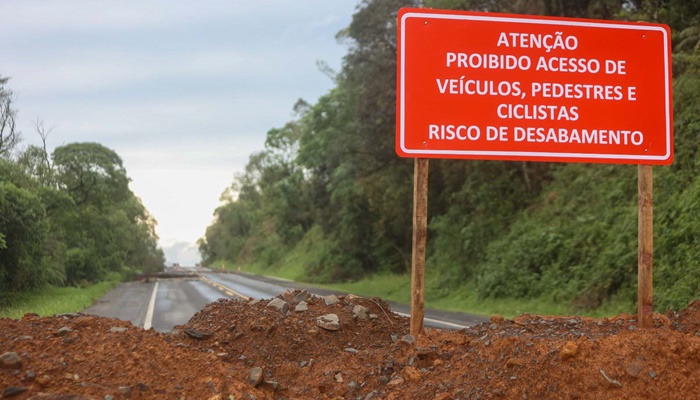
128,302
175,301
164,303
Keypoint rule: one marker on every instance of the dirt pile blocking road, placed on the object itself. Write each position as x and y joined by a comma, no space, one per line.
296,347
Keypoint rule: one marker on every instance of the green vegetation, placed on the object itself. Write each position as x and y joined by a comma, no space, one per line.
328,200
66,218
465,299
52,300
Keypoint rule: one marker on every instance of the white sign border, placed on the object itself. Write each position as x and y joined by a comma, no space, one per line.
535,154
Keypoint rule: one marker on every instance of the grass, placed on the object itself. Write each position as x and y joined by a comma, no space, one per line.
463,299
398,288
52,300
294,271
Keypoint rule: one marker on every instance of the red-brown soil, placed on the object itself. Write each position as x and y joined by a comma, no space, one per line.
214,355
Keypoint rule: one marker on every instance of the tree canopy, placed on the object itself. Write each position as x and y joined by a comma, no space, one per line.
69,218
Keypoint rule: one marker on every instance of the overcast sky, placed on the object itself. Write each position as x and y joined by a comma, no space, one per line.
183,91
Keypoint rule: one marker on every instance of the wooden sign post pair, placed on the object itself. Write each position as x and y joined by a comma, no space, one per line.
509,87
645,252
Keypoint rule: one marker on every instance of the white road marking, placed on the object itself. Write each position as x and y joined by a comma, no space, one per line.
436,321
223,288
151,307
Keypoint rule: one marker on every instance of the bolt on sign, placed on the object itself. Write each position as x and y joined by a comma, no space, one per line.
507,87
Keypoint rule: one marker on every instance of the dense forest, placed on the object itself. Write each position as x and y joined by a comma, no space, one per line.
69,217
328,184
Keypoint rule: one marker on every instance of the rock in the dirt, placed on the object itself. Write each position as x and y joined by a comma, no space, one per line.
256,376
68,315
569,350
371,395
634,369
125,390
411,374
12,391
330,300
359,312
195,334
279,304
408,339
302,296
118,329
84,321
351,298
271,384
10,360
397,380
328,322
64,331
373,316
512,362
43,380
301,307
69,339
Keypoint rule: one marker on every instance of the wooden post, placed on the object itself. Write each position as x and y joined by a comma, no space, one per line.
420,235
645,250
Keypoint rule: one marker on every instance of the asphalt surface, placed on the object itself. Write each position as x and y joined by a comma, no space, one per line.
174,300
177,300
128,302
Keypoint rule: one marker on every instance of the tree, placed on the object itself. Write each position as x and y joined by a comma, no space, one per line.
23,227
91,173
9,135
109,229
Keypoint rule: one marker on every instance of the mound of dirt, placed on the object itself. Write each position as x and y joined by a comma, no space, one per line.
301,347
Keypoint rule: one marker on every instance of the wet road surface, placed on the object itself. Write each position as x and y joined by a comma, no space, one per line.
165,303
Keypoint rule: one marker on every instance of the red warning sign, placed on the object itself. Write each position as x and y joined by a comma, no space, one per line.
505,87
